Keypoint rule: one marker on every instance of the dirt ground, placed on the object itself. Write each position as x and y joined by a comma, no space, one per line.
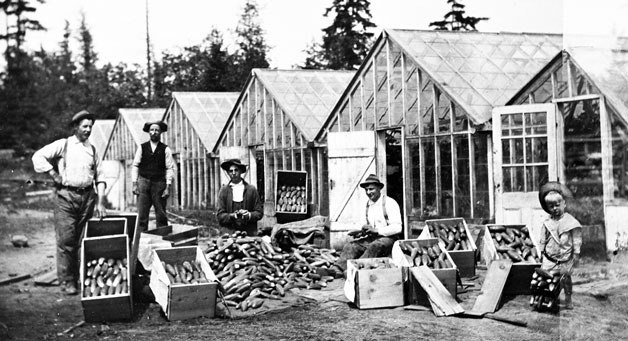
29,312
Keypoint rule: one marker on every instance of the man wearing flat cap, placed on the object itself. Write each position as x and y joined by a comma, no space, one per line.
74,167
382,226
152,174
239,205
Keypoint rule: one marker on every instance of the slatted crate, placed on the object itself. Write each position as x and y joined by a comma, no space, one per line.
464,259
183,301
374,288
132,225
108,226
518,281
414,294
291,187
110,307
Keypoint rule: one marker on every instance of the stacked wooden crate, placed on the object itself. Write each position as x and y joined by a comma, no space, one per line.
454,236
374,283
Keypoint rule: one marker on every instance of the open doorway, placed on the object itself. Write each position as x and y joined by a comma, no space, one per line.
394,164
259,161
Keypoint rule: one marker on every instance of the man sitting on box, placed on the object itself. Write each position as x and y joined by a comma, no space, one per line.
382,226
239,204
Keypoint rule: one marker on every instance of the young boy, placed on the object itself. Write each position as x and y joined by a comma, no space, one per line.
561,237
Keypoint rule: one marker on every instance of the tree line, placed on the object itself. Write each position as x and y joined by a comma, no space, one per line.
40,90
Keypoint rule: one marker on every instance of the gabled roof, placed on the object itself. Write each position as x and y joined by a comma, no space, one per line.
306,96
135,119
608,70
207,112
101,131
478,70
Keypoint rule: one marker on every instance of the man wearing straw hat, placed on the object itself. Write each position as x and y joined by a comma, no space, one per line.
152,174
74,166
239,204
382,226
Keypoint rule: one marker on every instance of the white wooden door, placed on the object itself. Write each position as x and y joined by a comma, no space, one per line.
524,156
351,158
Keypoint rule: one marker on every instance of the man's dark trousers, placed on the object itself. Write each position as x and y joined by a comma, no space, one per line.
150,192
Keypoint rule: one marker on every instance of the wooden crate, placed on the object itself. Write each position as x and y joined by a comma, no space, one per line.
518,281
464,259
374,288
132,226
108,226
286,179
413,293
111,307
183,236
183,301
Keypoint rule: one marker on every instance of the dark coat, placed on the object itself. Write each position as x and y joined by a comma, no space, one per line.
251,202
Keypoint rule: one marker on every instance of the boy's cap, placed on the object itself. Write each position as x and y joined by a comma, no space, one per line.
552,186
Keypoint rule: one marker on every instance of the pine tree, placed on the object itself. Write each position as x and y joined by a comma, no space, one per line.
88,55
251,42
456,20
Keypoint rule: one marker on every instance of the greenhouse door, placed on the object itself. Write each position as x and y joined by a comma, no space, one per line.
524,156
351,158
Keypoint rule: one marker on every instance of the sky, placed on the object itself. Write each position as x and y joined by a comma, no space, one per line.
118,27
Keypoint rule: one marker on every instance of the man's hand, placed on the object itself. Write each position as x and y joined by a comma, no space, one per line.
135,190
55,177
101,212
166,192
368,229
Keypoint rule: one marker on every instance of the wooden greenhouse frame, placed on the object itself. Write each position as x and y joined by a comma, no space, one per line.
126,137
194,121
272,128
436,90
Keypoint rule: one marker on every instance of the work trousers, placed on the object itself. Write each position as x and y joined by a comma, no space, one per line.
150,192
72,210
372,247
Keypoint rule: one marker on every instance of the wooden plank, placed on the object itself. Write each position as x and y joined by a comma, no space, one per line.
13,279
493,286
47,279
441,300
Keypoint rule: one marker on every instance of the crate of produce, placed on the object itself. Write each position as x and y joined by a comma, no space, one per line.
106,290
417,252
183,283
291,196
108,226
512,242
132,225
374,283
454,236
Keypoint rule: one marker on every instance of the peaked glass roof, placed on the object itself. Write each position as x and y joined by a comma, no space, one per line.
101,131
135,119
207,112
306,96
479,70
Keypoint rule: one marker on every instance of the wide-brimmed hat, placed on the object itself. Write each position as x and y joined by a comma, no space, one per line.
552,186
233,162
163,126
372,179
81,115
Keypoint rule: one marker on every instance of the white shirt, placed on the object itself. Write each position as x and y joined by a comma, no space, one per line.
78,170
376,217
237,191
135,170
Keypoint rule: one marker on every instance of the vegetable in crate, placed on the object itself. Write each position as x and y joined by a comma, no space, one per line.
185,272
239,205
452,234
105,277
430,256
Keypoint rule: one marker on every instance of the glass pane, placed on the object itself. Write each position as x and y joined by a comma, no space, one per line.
427,108
536,123
507,179
542,94
287,132
535,176
560,77
620,155
279,160
297,136
430,177
518,181
415,175
536,149
412,110
344,117
297,159
516,124
444,146
238,128
463,182
506,153
369,98
396,89
381,82
270,159
481,205
278,124
517,150
269,121
505,125
356,107
287,155
461,122
443,113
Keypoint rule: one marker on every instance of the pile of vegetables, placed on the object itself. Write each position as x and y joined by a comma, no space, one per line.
514,244
431,256
453,235
545,289
105,277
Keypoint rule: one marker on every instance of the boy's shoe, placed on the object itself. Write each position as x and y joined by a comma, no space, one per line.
69,288
568,303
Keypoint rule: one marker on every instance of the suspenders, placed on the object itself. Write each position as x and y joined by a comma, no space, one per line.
65,154
383,210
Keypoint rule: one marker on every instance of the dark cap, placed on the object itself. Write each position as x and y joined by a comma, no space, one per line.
372,179
233,162
81,115
552,186
163,126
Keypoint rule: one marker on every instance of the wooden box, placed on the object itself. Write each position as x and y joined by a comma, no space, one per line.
111,307
374,288
291,196
518,281
108,226
464,259
132,225
177,235
183,301
414,294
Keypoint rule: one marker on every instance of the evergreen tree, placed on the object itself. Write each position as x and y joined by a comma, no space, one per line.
456,20
251,42
218,75
88,55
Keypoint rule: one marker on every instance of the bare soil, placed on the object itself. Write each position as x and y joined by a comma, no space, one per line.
29,312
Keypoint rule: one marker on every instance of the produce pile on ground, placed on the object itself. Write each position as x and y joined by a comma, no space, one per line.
105,277
250,269
291,199
431,256
453,235
514,244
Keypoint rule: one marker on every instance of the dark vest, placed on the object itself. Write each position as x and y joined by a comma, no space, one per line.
153,165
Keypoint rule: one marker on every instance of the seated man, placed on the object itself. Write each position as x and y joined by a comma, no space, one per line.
382,226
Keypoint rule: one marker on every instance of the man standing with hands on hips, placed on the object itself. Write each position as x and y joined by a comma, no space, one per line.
74,166
152,174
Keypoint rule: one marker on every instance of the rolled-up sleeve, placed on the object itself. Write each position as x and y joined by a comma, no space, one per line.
169,166
43,158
